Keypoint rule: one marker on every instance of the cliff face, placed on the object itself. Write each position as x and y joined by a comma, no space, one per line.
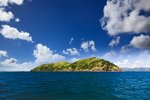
89,64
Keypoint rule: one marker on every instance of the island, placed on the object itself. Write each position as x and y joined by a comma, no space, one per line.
84,65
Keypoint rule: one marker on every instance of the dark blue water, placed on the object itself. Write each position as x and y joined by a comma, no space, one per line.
75,86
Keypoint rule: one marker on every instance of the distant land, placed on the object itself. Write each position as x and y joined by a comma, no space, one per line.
142,69
85,65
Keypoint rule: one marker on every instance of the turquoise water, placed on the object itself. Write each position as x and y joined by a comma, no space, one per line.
75,86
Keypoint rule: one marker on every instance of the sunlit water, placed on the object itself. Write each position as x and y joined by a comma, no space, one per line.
75,86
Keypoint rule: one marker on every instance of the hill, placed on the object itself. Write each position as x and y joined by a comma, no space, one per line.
89,64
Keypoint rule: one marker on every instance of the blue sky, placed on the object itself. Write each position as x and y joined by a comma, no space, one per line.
52,24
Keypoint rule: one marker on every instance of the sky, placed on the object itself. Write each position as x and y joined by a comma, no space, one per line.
35,32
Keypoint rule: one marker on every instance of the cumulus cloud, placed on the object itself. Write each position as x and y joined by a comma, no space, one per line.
71,40
114,42
87,45
139,59
71,51
142,41
14,33
3,53
17,2
9,62
9,65
5,16
8,31
4,3
92,46
12,64
43,54
125,16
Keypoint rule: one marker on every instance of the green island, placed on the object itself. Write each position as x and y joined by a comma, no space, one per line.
85,65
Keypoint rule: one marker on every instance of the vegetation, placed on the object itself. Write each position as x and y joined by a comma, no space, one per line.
89,64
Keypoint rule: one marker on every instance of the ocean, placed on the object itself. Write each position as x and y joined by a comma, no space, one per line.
75,86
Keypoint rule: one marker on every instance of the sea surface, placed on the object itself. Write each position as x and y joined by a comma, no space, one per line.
75,86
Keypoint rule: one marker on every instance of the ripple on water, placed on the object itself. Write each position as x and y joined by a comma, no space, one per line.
75,86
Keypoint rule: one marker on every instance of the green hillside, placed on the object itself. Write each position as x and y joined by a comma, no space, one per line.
89,64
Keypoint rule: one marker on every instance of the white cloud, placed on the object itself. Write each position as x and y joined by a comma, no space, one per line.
71,51
14,33
3,53
65,52
142,41
9,62
140,60
74,60
129,60
17,20
114,42
43,54
12,64
124,16
8,31
87,45
5,16
4,3
109,55
92,46
18,2
71,40
125,48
